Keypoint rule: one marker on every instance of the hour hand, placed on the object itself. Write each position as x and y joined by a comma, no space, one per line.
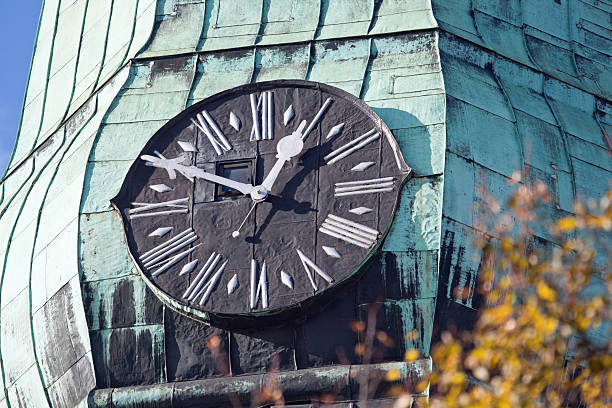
173,165
288,147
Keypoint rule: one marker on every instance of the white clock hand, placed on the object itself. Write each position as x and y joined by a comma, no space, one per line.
172,166
236,233
288,147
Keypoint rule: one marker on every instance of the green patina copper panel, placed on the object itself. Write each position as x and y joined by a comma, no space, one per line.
17,346
115,261
42,51
177,28
458,193
543,143
101,184
28,390
524,89
484,92
591,181
124,141
119,37
568,40
409,15
109,303
146,344
288,21
417,222
344,18
423,147
410,112
92,48
575,111
283,62
341,63
219,71
230,24
590,153
473,142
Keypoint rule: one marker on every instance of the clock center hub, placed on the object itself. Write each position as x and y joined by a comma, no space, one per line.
259,194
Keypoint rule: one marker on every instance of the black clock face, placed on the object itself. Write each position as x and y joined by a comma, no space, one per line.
261,198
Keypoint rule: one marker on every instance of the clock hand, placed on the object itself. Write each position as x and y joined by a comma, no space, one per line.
236,233
173,165
288,147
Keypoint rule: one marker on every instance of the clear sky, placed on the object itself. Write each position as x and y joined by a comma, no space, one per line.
17,33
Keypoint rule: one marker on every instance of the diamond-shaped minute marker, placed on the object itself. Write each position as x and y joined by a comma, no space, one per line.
187,147
287,280
235,121
188,267
232,284
335,130
360,210
160,188
160,232
362,166
289,113
331,251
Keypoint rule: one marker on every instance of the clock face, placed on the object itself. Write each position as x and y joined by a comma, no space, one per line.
261,198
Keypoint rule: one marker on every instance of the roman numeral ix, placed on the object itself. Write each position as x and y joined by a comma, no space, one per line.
144,209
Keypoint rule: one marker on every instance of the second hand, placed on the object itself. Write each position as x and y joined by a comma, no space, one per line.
236,233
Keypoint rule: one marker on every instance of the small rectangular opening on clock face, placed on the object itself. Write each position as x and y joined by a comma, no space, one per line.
235,170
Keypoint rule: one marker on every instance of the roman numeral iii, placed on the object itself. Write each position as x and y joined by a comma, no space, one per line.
349,231
378,185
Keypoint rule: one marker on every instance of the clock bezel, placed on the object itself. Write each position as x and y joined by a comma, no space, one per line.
313,303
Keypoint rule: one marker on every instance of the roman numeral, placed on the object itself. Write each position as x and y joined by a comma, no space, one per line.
142,208
352,146
205,123
378,185
349,231
162,255
317,118
205,281
307,262
259,287
265,107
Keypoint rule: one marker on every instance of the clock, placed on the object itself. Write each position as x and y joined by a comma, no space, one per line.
261,200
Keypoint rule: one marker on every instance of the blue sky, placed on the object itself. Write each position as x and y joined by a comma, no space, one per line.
17,33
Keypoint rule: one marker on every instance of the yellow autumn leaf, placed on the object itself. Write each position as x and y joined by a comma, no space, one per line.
392,375
545,292
566,224
411,355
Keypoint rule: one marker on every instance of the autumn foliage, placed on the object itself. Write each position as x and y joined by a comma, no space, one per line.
543,335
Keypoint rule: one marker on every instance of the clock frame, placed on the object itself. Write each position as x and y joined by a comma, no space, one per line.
339,193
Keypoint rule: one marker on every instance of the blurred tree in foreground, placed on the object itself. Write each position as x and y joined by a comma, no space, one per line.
543,335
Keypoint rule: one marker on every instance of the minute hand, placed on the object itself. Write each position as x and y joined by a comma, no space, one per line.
195,172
